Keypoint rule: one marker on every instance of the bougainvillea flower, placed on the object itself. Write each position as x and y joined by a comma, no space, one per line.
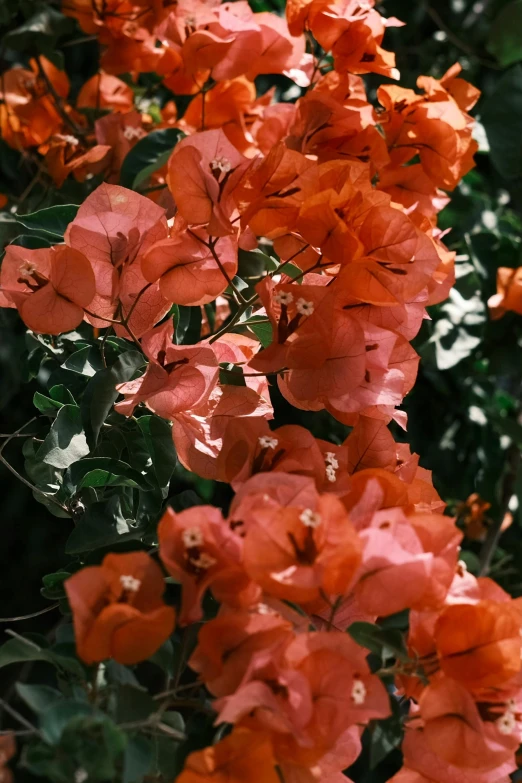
479,645
455,731
65,156
50,287
198,547
200,169
189,271
118,611
244,756
227,643
177,378
214,439
308,700
114,227
509,293
294,553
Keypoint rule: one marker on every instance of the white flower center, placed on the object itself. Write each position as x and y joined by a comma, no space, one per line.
72,140
133,133
26,270
130,583
267,443
331,460
331,474
358,691
221,164
309,518
283,297
303,307
81,775
192,537
507,723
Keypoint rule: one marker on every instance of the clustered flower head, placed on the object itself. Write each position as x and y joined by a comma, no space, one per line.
319,534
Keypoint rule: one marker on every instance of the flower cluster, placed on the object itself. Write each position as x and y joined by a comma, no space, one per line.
340,198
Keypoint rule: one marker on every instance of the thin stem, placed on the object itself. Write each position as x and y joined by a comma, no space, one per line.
58,101
29,616
16,715
495,531
21,478
212,247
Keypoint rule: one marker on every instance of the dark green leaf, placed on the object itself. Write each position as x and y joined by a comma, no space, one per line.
157,434
85,361
387,643
102,525
50,222
502,119
148,155
187,322
101,394
138,759
38,697
53,585
40,32
66,442
263,332
133,704
505,35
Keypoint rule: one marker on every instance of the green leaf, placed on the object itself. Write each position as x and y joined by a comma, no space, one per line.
157,434
148,155
101,394
164,657
102,525
66,442
32,241
45,404
133,704
59,715
505,35
187,321
53,585
502,119
38,697
102,472
51,222
39,33
387,643
263,331
138,759
85,361
23,649
386,735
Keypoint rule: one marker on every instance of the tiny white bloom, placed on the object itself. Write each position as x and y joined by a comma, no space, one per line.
192,537
133,133
303,307
358,691
26,270
506,723
81,775
331,460
330,473
204,561
310,518
283,297
129,583
267,443
69,139
221,164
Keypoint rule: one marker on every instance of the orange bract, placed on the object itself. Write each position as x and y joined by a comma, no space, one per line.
118,610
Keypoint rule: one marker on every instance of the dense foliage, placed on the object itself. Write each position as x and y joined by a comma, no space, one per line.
247,535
